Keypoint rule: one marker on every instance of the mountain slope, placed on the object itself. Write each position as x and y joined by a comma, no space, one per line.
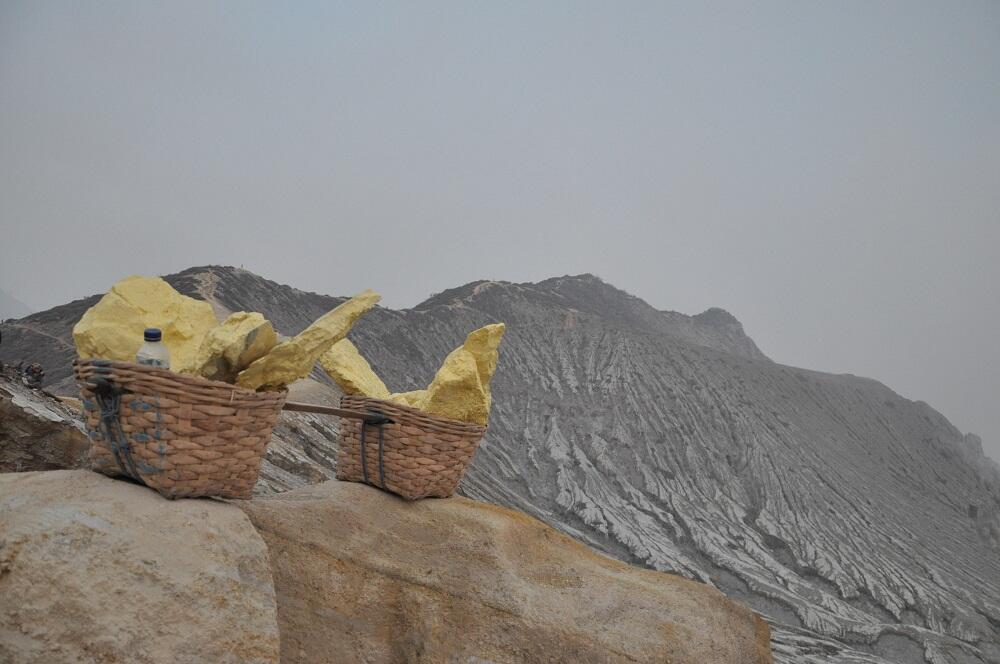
862,524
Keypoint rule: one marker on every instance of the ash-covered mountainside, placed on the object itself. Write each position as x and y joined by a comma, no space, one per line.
862,524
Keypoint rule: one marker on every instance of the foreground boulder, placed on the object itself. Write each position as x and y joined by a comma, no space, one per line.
94,569
99,570
361,575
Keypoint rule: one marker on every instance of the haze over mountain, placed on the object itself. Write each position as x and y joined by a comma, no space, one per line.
863,525
11,307
826,170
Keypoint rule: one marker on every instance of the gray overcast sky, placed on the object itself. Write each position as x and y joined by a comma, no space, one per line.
830,173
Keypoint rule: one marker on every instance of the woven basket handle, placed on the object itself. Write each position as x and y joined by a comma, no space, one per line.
369,418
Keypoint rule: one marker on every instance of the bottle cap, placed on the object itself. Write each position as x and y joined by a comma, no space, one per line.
152,334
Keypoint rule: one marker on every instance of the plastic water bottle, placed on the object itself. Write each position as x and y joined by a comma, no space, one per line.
153,352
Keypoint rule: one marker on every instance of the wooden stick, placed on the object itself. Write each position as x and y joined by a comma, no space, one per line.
330,410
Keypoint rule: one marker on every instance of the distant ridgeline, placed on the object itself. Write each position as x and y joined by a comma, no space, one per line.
863,525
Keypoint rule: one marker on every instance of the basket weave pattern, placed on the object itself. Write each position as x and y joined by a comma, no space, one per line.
423,455
182,435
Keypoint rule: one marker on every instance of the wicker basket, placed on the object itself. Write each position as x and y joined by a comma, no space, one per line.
415,454
181,435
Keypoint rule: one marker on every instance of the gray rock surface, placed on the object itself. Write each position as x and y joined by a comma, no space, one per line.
862,524
37,431
100,570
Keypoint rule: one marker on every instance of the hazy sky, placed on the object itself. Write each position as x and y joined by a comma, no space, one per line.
828,172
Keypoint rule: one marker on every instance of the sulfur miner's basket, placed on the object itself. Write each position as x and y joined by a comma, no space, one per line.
404,450
181,435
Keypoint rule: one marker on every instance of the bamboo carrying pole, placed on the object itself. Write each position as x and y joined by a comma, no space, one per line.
371,418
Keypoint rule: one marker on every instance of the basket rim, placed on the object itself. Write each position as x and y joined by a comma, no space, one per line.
439,420
81,364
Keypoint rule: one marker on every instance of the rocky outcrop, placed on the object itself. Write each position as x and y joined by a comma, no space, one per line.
37,431
94,569
361,575
100,570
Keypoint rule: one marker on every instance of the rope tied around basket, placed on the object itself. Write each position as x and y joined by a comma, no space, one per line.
371,417
109,398
376,419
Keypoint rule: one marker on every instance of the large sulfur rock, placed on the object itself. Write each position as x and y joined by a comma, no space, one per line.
484,345
456,391
351,371
112,328
99,570
295,358
232,346
363,576
461,388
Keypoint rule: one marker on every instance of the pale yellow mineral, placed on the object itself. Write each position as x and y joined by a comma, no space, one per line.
414,399
456,392
232,346
295,358
112,328
461,388
484,344
351,371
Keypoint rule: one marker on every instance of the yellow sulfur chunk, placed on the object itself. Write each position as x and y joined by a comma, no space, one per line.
484,344
295,358
351,371
461,388
112,328
230,347
456,392
414,399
